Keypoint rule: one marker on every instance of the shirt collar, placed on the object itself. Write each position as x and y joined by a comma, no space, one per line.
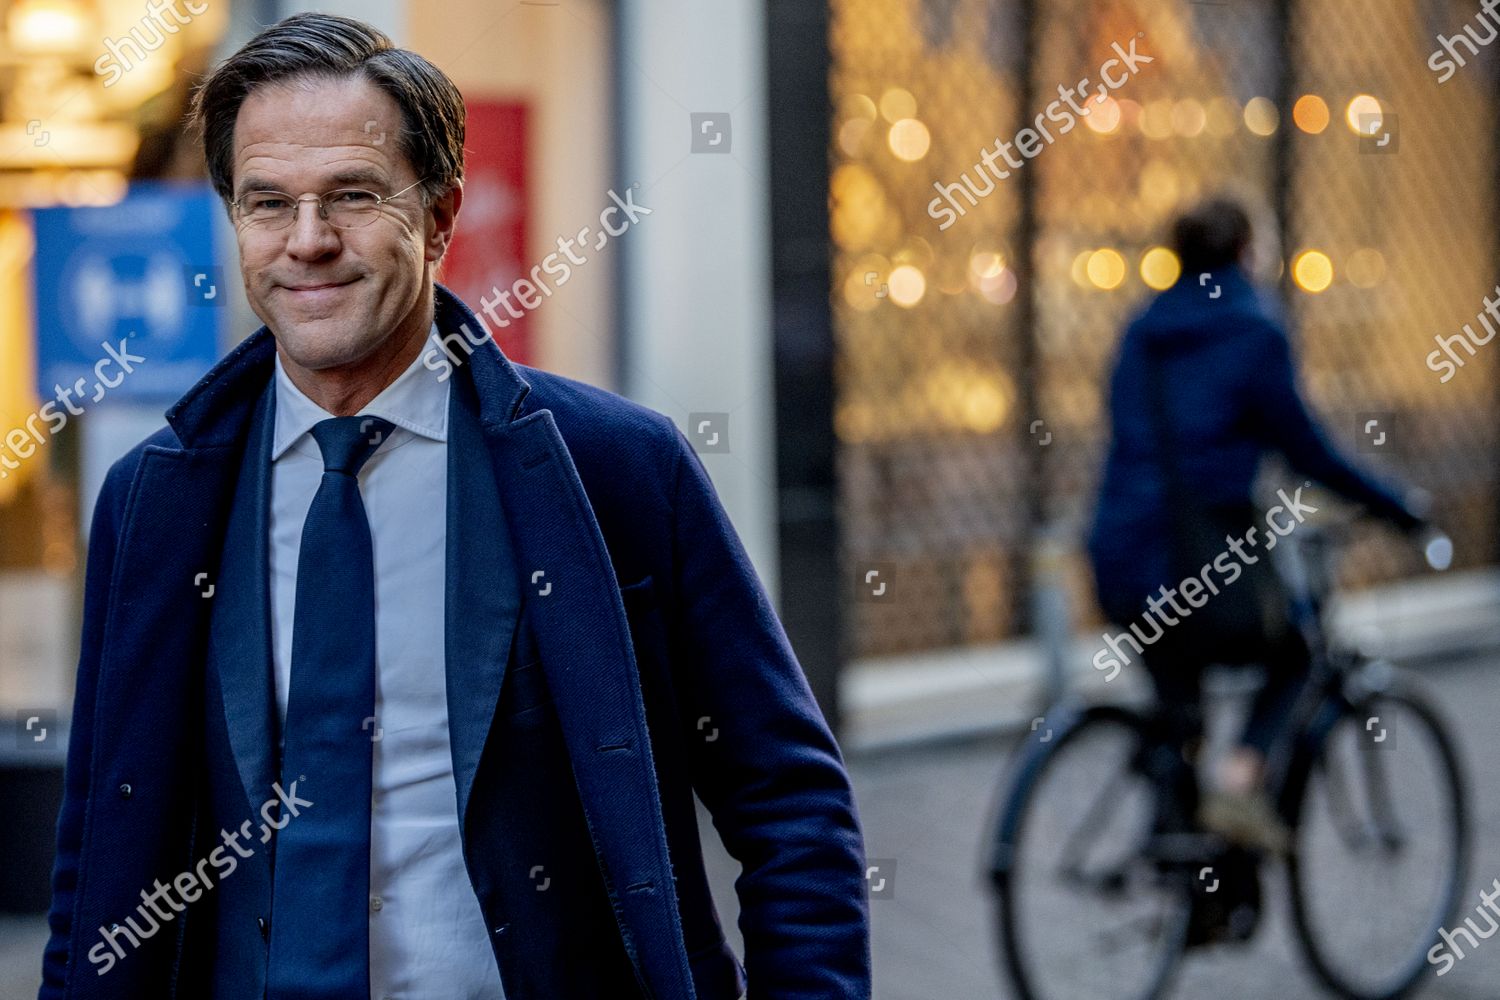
417,400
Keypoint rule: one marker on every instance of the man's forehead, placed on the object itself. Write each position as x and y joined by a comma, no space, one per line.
340,127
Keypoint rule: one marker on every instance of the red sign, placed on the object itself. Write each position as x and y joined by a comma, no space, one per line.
489,246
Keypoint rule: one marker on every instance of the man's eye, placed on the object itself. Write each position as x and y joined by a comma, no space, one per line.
269,203
354,198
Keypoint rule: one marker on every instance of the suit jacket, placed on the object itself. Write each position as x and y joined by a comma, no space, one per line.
610,652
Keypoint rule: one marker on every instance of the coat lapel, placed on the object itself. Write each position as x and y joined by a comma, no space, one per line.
482,603
240,635
577,618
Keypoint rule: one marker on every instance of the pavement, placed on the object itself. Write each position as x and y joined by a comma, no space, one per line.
928,808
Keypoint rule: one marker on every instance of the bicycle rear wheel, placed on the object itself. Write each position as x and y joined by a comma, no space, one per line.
1382,845
1083,912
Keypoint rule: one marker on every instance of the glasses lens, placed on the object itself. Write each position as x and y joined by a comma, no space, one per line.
352,208
271,209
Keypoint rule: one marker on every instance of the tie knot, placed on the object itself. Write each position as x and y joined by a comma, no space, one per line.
348,442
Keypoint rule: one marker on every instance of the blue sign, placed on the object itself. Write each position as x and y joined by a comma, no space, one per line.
129,296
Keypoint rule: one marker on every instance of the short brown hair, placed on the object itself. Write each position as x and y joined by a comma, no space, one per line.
1212,234
313,45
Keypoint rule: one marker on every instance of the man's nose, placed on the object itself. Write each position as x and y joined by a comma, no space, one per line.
312,236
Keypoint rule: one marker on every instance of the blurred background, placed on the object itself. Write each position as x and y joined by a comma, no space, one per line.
905,422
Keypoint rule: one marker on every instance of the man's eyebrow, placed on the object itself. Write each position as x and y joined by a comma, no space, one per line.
355,175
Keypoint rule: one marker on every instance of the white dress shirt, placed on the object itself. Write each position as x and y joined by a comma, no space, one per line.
428,939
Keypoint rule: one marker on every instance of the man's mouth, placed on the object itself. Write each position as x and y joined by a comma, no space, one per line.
318,290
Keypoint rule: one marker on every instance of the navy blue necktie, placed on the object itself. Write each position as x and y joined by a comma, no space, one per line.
320,893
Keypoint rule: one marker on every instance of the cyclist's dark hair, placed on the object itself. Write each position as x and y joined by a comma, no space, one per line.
1212,234
311,45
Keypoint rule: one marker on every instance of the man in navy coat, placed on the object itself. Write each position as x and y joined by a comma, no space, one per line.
369,548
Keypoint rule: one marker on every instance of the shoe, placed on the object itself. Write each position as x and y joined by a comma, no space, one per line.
1247,820
1226,904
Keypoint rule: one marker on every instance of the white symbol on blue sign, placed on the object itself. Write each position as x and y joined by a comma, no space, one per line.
102,299
130,272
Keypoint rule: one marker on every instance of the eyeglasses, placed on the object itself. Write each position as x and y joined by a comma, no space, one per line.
346,208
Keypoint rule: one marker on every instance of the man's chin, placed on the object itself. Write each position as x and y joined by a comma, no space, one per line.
321,345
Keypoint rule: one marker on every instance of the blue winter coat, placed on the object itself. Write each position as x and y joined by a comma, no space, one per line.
1230,396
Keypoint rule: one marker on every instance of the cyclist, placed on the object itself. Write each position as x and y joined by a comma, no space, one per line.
1204,387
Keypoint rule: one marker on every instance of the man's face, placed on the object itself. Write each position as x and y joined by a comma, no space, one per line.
313,135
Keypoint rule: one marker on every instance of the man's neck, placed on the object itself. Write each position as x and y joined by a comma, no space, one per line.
344,390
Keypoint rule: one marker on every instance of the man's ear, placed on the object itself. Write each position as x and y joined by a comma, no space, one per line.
442,221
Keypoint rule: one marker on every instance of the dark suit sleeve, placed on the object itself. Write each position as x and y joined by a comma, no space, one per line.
1289,427
773,779
70,820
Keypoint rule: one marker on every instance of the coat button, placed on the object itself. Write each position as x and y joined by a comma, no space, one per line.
125,791
265,928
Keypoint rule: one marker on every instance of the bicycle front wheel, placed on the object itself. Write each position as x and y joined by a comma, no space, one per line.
1085,913
1382,845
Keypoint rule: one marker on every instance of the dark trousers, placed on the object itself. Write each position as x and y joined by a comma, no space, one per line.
1177,676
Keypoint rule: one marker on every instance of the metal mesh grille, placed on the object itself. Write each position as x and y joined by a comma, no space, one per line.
927,345
963,427
1408,226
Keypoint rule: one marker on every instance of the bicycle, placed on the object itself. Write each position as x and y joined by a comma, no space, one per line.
1345,783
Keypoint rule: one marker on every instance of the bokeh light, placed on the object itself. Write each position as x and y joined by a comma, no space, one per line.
1104,116
1160,268
896,104
1261,116
1106,268
1363,115
909,139
1310,113
1312,271
907,286
1366,267
1188,118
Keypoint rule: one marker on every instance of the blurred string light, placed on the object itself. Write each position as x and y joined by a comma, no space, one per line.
1079,271
1261,116
907,285
1188,118
896,104
1104,116
967,396
909,139
1363,115
857,113
1366,267
1106,268
1223,116
991,278
1310,113
1312,271
865,286
47,27
1156,119
1160,268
